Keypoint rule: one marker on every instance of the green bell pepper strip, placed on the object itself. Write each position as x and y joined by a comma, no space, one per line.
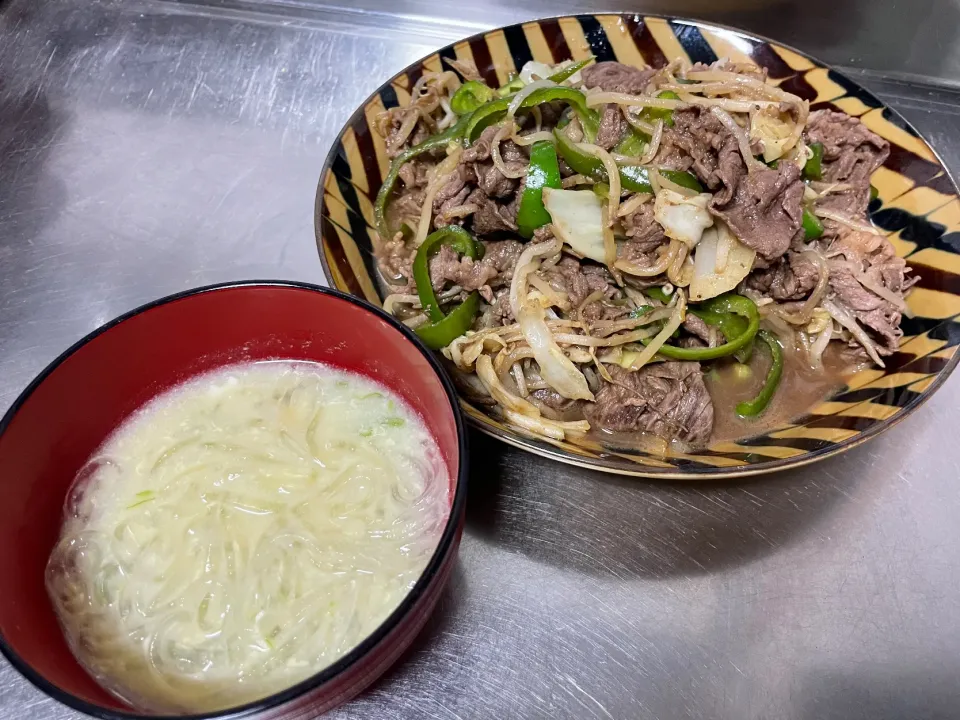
439,334
632,177
812,227
454,237
874,193
750,408
470,96
683,179
571,70
633,145
495,110
543,171
454,133
813,169
512,86
724,304
651,114
731,325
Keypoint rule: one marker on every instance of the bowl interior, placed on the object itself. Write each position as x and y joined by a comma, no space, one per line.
917,209
71,409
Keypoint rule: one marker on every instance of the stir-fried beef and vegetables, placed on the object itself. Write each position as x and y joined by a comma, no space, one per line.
603,248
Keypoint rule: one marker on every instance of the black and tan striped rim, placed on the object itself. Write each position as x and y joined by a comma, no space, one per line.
917,209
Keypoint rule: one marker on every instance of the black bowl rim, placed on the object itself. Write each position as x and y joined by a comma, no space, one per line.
600,464
447,539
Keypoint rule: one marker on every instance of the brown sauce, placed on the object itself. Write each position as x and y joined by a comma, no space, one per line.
801,389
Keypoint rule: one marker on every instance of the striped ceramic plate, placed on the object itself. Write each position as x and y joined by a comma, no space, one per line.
918,209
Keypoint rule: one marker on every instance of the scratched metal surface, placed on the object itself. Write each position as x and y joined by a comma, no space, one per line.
146,147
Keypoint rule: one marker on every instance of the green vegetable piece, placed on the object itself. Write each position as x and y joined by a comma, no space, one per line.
731,325
511,87
543,171
874,193
683,179
640,311
439,334
633,145
631,177
366,432
456,238
651,115
813,170
571,70
394,422
657,294
723,304
601,190
812,227
439,141
494,111
751,408
469,96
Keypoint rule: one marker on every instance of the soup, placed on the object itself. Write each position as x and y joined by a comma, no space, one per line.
242,532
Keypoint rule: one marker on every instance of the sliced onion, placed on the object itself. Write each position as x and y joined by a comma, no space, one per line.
555,298
532,137
488,376
683,217
524,93
554,429
532,70
555,367
671,326
851,324
527,263
609,244
664,183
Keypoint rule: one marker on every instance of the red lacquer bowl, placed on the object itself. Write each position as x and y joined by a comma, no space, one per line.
73,406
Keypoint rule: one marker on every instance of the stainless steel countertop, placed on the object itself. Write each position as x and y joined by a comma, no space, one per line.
147,146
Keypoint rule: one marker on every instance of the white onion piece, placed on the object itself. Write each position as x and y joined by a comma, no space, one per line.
555,367
683,218
488,376
578,220
707,281
742,140
533,71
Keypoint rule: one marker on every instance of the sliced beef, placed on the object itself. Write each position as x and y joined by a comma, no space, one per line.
613,126
668,399
712,149
792,277
579,281
874,256
616,77
698,328
554,405
413,174
764,212
495,269
851,152
407,204
644,235
492,216
395,259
